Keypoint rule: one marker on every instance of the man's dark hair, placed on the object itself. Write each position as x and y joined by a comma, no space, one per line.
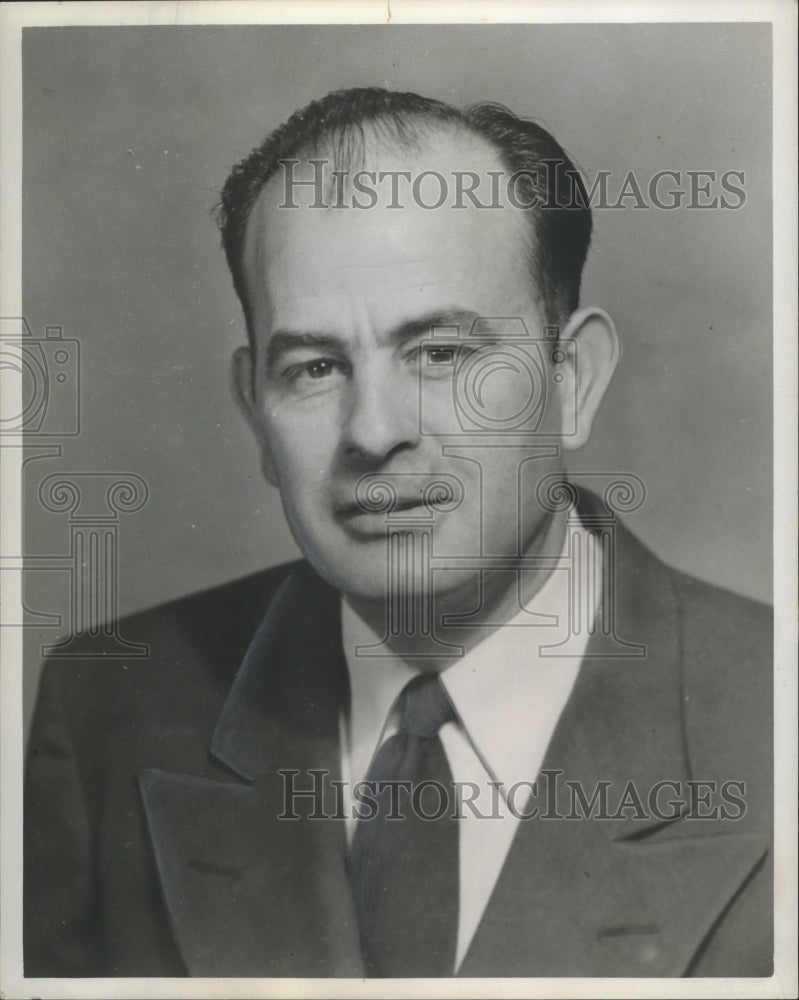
545,176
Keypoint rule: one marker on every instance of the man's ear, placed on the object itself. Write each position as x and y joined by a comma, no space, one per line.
592,358
244,385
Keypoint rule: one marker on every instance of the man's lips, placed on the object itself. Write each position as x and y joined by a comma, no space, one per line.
351,509
359,519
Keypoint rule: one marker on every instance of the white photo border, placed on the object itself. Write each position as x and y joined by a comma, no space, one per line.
782,16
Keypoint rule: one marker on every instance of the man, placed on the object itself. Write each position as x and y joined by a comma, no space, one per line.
482,730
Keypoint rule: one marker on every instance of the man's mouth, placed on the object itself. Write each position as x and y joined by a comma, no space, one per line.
372,518
395,505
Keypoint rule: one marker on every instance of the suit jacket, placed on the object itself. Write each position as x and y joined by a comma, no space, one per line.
153,845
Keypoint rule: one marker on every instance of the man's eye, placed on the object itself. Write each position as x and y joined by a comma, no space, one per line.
319,369
440,355
315,370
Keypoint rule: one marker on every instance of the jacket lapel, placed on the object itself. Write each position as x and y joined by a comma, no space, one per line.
633,895
250,894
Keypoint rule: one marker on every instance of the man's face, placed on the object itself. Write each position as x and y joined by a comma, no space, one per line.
344,386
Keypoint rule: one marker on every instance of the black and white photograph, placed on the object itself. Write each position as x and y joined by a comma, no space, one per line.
399,451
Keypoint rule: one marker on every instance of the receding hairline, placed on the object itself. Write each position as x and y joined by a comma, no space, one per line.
348,145
348,157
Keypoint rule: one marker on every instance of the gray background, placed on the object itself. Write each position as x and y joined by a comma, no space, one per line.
128,135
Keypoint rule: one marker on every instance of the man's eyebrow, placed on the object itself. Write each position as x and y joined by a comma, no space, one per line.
421,326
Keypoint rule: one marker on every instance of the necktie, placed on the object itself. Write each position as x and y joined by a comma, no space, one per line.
403,862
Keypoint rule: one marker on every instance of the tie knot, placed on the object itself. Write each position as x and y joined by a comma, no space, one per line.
425,706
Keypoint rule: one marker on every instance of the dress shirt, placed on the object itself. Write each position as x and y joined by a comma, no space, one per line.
508,700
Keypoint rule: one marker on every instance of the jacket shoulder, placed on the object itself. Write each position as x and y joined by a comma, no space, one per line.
193,647
726,641
727,688
719,613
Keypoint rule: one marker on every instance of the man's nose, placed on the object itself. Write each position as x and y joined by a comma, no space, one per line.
382,418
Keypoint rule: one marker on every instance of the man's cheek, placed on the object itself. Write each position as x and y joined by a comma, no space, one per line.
438,408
